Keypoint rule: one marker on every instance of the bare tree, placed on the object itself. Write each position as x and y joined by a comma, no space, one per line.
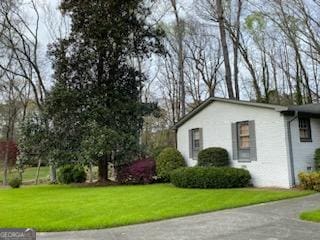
179,32
204,58
224,44
21,41
11,90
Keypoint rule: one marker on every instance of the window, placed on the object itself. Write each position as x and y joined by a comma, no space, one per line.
243,140
195,143
244,146
305,130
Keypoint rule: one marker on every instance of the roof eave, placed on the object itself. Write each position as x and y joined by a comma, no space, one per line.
213,99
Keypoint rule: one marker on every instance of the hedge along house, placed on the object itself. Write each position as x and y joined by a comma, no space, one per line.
275,143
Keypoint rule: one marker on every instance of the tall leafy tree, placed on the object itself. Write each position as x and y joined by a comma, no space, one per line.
94,109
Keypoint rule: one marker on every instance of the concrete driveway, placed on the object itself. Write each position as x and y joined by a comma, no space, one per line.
270,221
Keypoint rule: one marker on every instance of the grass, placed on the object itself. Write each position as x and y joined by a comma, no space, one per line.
313,216
61,208
29,173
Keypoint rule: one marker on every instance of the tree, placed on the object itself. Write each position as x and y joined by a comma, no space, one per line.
94,109
35,143
224,44
19,39
180,29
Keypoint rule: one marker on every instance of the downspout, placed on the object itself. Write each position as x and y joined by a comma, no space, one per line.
176,137
292,171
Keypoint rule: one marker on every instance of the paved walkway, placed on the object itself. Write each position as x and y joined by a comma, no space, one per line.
270,221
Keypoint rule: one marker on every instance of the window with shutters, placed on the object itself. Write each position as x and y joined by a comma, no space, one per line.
305,130
195,142
243,140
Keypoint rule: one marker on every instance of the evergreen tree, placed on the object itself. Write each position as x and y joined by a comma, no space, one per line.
94,109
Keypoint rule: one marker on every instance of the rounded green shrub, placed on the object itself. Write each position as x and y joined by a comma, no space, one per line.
79,174
210,177
71,174
213,157
168,160
15,182
317,159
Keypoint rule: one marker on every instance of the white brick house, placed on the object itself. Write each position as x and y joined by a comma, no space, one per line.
275,143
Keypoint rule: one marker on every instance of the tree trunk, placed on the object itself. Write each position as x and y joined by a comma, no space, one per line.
53,174
299,98
38,171
225,50
181,61
236,51
90,173
5,165
103,169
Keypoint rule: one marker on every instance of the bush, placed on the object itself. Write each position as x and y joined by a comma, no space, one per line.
15,182
213,157
79,174
317,159
168,160
140,171
210,177
72,174
310,181
155,152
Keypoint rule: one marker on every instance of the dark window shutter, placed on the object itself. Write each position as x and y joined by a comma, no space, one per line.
235,152
253,144
201,138
190,144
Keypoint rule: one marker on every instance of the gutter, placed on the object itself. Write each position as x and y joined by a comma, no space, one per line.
292,170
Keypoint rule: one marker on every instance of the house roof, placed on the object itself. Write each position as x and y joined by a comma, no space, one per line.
313,109
308,108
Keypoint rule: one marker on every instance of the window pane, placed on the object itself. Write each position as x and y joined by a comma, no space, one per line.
196,134
244,154
244,142
244,129
305,129
196,143
303,133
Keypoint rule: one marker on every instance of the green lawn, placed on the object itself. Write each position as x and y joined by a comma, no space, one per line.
61,208
311,216
29,173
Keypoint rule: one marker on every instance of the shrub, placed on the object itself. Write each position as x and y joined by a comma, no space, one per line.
213,157
155,152
210,177
140,171
15,182
79,174
317,159
71,174
310,181
168,160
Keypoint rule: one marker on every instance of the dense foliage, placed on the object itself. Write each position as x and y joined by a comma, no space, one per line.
310,181
15,182
141,171
168,160
213,157
317,159
72,174
94,112
210,177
